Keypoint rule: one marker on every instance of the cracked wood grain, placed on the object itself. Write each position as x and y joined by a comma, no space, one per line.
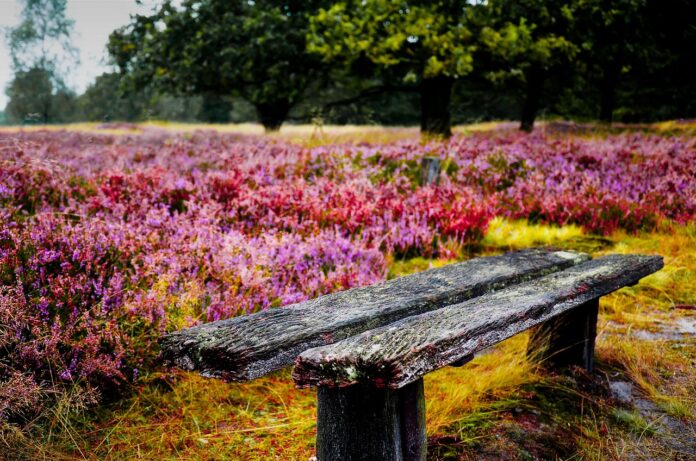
404,351
250,346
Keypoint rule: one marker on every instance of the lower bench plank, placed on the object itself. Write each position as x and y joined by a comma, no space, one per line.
404,351
250,346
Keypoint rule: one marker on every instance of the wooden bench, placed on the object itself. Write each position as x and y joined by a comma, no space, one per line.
367,349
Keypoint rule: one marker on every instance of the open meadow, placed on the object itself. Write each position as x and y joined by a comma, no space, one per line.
112,235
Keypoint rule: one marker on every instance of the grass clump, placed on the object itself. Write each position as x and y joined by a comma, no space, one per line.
633,421
503,233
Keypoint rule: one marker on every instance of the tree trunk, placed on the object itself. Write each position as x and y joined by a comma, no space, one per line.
273,114
435,101
532,97
607,90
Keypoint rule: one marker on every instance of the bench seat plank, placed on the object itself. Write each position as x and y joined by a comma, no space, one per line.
404,351
246,347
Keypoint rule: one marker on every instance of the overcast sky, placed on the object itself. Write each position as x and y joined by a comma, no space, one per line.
94,21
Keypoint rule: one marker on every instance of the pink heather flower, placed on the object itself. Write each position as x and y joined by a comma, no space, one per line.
113,241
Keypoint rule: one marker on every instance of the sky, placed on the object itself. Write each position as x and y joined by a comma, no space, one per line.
94,21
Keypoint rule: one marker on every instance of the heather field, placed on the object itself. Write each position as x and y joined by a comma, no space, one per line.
111,236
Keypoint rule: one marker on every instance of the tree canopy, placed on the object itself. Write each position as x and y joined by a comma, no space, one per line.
40,50
42,38
252,49
436,63
422,44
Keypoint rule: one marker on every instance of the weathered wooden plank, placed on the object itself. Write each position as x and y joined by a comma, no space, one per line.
429,171
567,339
364,423
399,353
250,346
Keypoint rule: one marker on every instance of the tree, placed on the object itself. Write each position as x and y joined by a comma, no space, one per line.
421,45
33,99
528,41
104,101
42,39
39,45
30,94
252,49
661,86
214,108
617,40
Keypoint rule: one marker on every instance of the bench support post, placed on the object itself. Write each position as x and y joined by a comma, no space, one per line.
567,339
361,422
430,171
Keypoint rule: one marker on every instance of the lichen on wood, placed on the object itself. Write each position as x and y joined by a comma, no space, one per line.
247,347
404,351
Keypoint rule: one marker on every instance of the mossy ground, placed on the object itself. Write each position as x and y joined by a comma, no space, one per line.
498,407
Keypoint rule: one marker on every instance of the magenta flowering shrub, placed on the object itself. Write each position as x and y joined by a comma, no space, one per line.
108,241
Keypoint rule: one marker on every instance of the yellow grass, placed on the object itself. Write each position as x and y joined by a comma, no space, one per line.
505,234
320,134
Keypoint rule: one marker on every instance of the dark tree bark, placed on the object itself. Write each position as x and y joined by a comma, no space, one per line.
273,114
532,97
607,92
435,106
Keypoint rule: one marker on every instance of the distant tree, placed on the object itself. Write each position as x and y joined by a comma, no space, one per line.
529,41
104,101
30,96
34,99
42,39
214,108
662,85
252,49
39,46
164,106
424,45
616,40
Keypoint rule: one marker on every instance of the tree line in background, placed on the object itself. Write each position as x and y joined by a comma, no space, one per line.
398,62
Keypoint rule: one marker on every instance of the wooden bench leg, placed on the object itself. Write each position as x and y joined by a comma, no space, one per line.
567,339
364,423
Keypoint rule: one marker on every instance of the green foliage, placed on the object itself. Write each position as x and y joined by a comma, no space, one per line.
633,421
519,35
371,61
42,38
422,45
105,100
661,85
102,101
214,109
255,50
525,43
39,48
34,99
418,39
